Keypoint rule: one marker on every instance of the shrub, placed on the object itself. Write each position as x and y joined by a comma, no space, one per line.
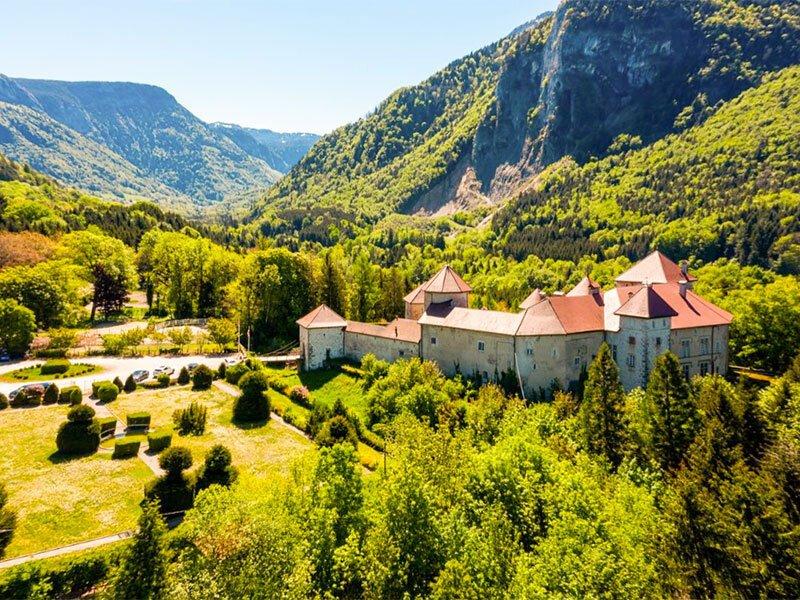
336,431
71,395
50,394
221,370
183,376
191,420
173,492
202,378
29,396
216,469
175,460
3,401
51,353
54,367
8,521
126,448
159,440
118,383
108,425
299,394
107,392
235,373
163,380
138,420
81,433
130,385
96,386
252,405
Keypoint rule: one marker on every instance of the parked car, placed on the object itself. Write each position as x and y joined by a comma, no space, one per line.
44,385
140,375
163,370
4,357
232,360
191,367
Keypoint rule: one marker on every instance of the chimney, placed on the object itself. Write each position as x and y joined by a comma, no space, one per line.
685,269
682,286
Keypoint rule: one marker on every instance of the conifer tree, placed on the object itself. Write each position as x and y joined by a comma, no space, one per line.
143,570
674,416
602,409
8,521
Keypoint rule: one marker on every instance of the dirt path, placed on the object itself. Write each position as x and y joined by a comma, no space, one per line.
77,547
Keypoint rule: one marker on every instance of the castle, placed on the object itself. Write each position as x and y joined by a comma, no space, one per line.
651,309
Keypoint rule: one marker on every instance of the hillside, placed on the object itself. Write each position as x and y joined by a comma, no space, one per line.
727,187
569,85
279,150
137,134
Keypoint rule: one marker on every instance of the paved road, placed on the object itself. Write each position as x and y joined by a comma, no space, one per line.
113,367
109,539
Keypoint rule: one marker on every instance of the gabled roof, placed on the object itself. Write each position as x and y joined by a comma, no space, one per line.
446,281
406,330
532,300
321,317
416,296
472,319
691,309
654,268
562,315
586,287
646,303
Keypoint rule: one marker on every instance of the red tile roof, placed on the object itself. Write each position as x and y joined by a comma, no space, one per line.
321,317
406,330
416,296
561,315
532,300
586,287
692,310
645,303
446,281
654,268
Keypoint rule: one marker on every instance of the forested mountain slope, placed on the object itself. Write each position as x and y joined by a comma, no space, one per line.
280,150
729,187
144,133
569,85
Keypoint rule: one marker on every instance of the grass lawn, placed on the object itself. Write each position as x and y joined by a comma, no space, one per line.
61,501
34,373
259,449
326,385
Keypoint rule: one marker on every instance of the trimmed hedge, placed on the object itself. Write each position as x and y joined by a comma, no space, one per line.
118,382
299,394
130,385
54,367
81,433
107,392
139,420
3,401
50,394
173,492
51,353
163,380
183,376
71,394
252,405
234,373
96,386
159,440
126,448
107,425
31,396
202,378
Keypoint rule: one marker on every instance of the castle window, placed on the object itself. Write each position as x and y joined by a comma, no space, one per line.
703,368
485,376
632,341
433,341
704,346
402,353
686,371
658,342
686,348
555,353
631,361
481,346
529,351
614,352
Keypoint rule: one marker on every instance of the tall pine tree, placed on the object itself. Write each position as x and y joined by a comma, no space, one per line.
602,409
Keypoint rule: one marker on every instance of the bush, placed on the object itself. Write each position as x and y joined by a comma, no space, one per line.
130,385
173,492
54,367
202,378
96,386
108,425
138,420
175,460
252,405
299,394
216,469
191,420
107,392
81,433
163,380
221,370
50,394
3,401
29,396
126,448
183,376
336,431
51,353
159,440
118,383
235,373
71,395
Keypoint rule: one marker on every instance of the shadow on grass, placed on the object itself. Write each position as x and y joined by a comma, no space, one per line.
314,380
247,425
59,457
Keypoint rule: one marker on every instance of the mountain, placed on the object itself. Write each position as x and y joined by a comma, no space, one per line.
279,150
573,84
146,142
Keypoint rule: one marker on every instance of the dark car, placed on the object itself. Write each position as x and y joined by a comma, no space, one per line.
4,357
140,375
44,385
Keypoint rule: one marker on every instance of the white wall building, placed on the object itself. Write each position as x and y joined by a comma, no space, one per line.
651,310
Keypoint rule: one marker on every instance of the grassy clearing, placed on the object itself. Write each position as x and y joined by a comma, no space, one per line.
258,449
34,373
326,385
60,501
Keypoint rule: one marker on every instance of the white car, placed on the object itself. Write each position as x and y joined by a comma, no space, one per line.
163,370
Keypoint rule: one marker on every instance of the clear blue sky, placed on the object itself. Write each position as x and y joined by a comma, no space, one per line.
303,65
